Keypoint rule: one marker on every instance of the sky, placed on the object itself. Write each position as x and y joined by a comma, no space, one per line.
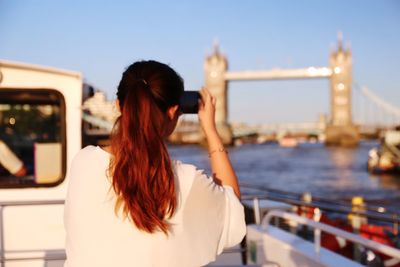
101,38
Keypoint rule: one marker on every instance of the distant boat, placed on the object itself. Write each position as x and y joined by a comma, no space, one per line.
386,157
288,142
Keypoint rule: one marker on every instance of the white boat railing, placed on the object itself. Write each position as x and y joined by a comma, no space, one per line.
3,206
357,212
377,212
318,227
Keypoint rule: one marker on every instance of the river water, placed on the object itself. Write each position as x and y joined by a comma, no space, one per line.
330,172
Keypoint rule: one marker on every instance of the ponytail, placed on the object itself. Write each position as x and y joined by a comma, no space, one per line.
141,169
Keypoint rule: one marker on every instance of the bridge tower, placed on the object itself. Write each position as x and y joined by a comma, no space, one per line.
341,130
215,67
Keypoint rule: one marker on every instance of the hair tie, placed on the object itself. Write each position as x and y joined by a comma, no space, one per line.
140,81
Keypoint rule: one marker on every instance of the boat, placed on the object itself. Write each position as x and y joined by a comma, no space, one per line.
288,142
31,208
386,157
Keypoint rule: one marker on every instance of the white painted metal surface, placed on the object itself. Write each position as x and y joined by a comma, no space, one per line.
279,248
28,230
269,244
389,251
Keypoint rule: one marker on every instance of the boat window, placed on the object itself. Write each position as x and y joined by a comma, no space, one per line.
32,138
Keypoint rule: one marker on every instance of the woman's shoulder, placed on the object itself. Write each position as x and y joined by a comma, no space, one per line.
184,169
90,161
189,171
187,174
89,153
90,150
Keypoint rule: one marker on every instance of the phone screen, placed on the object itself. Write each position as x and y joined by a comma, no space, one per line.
189,102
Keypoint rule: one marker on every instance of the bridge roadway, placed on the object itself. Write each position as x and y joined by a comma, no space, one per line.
241,130
279,74
192,130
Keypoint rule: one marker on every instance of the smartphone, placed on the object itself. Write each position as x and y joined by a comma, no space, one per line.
189,102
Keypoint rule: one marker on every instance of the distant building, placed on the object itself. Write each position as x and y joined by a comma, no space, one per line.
98,106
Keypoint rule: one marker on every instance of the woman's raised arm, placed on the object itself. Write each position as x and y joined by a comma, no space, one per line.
221,166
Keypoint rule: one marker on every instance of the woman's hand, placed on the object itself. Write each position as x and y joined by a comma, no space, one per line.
207,112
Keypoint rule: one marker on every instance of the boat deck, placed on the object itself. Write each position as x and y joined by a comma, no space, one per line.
228,259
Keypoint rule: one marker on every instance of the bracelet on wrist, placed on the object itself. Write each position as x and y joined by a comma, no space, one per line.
222,149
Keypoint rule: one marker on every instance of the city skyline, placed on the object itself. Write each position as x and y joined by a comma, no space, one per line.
101,38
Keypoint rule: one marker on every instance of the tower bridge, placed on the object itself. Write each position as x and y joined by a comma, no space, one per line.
376,113
340,130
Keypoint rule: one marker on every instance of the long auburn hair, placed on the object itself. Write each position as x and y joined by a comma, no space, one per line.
141,169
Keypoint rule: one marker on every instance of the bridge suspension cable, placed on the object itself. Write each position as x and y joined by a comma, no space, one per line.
389,108
380,107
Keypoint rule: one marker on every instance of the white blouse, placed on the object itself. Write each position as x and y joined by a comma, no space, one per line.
208,219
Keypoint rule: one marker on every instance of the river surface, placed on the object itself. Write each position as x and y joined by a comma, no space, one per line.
330,172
